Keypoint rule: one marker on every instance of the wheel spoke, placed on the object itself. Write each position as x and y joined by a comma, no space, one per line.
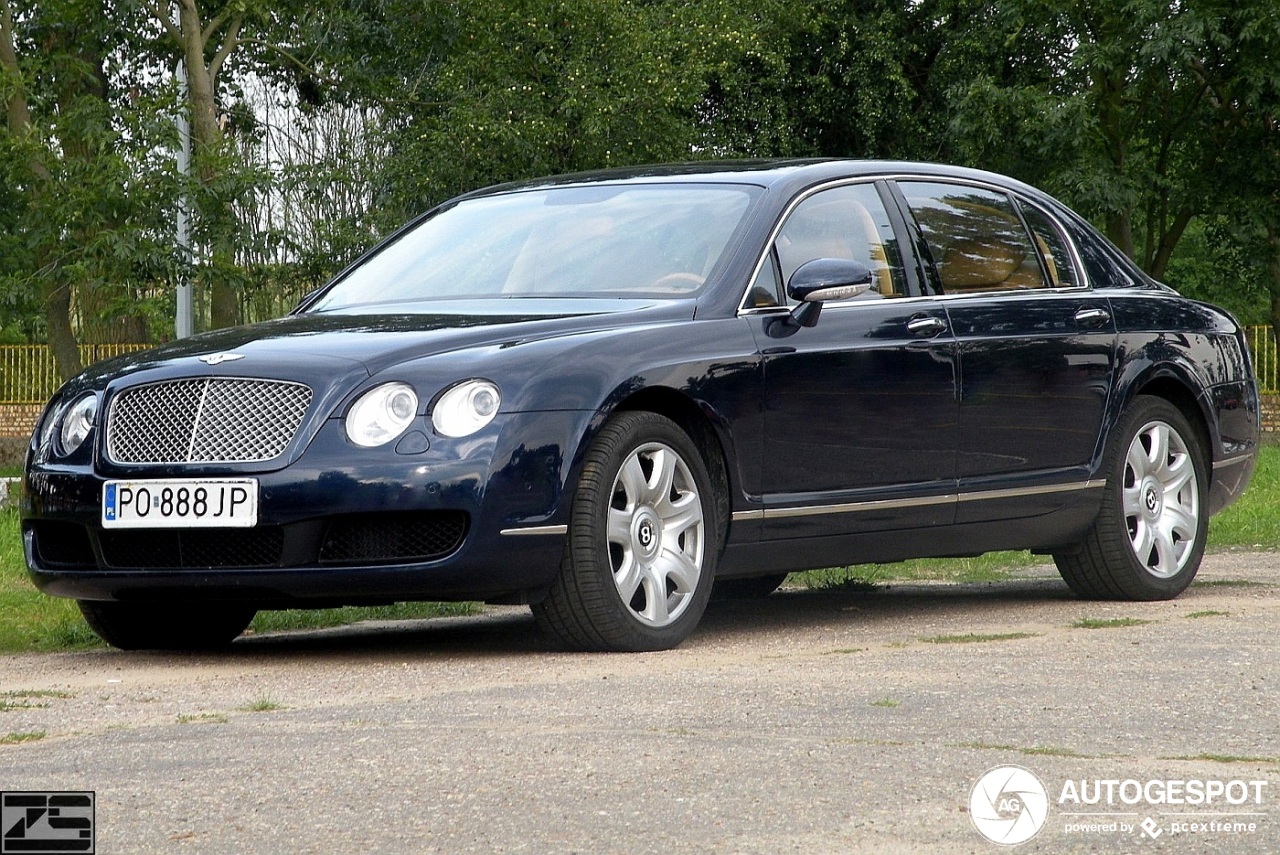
1158,456
1166,563
1141,539
681,570
1136,464
680,515
619,527
1178,474
655,596
1179,521
633,481
628,577
1131,500
663,475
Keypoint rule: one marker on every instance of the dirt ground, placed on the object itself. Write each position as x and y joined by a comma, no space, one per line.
806,722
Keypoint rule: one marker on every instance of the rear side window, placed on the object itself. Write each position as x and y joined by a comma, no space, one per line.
976,238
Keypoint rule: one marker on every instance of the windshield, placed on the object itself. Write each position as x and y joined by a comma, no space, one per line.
626,241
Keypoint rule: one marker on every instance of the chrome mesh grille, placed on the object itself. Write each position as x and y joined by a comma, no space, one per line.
207,420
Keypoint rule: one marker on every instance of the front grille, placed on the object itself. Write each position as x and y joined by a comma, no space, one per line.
390,538
193,548
205,420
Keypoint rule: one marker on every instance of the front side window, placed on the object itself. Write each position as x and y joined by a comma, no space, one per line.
627,240
976,238
847,222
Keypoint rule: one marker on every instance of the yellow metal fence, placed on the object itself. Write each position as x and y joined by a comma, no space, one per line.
1265,364
28,376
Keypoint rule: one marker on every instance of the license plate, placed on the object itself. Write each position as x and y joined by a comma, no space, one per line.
180,503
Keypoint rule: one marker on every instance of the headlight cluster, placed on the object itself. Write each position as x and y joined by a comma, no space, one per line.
386,411
67,427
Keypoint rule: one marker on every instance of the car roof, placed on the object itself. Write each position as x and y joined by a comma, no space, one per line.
781,174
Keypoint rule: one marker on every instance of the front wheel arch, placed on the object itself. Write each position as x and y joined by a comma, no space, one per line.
643,541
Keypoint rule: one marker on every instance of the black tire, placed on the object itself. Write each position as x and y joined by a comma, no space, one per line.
166,626
1149,537
746,588
643,583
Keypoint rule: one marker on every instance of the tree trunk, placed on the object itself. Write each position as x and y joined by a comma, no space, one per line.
206,144
55,294
57,317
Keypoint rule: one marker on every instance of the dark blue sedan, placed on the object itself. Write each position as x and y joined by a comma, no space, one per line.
605,394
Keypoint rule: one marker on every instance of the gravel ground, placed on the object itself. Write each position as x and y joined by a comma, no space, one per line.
804,722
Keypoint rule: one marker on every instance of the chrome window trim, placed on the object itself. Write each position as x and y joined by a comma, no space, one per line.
743,309
917,502
1081,274
1076,262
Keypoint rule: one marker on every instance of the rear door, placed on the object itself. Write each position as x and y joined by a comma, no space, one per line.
1036,348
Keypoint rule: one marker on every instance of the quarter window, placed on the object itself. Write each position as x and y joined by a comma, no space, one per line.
1052,246
976,238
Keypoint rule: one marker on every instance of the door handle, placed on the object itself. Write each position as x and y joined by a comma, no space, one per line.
1091,317
925,326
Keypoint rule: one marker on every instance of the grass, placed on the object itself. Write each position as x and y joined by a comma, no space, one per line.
202,718
29,699
977,637
1108,623
1229,758
17,738
262,705
1208,613
889,703
1252,522
321,618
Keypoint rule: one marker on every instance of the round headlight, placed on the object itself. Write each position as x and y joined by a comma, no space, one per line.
49,426
465,408
77,421
381,414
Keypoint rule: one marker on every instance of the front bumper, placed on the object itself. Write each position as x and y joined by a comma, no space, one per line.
477,518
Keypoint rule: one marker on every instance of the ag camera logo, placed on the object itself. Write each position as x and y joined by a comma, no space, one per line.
1008,805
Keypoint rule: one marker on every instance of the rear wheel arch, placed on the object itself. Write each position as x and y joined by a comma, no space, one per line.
1180,394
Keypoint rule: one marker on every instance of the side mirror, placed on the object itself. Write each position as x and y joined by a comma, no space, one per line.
822,279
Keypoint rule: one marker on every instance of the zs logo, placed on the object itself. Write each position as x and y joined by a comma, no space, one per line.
46,822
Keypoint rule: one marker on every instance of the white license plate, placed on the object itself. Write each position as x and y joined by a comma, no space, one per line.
180,503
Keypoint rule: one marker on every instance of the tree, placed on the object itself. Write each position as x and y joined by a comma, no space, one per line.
84,204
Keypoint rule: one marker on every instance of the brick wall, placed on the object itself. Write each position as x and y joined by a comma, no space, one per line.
18,419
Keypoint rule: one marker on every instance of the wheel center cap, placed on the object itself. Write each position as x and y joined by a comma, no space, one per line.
646,532
1151,500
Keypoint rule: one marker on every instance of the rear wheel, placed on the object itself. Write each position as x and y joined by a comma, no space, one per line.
641,548
1149,537
166,626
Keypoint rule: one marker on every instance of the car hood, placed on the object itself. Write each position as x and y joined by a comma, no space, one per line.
339,344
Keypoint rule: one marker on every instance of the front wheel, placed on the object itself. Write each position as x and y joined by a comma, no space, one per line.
1149,537
166,626
643,537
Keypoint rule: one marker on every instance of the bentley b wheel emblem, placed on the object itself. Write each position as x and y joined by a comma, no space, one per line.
219,358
